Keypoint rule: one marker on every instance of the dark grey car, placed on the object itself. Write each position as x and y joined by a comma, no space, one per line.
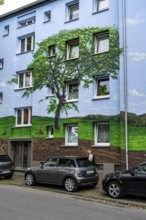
6,166
70,172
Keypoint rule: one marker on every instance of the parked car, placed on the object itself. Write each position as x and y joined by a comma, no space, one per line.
68,171
129,182
6,166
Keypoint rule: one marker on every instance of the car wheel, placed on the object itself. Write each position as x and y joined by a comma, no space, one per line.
70,184
30,179
114,190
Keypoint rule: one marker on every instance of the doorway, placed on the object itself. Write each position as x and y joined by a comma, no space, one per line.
21,151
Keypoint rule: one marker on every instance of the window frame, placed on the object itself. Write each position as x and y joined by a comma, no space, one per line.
96,87
96,6
23,48
1,64
27,22
68,49
47,16
96,128
22,118
70,9
52,50
67,92
67,143
49,131
1,97
6,30
24,79
98,38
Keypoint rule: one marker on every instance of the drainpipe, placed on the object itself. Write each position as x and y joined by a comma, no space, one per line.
125,80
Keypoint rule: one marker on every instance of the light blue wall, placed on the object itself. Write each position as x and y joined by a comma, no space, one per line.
14,62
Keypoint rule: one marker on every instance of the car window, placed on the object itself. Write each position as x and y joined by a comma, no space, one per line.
83,162
142,168
51,162
66,163
4,158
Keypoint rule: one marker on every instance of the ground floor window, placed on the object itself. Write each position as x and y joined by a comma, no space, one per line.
71,134
102,134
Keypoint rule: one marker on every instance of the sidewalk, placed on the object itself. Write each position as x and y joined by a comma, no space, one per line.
92,194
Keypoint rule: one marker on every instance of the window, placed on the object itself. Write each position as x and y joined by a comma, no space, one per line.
101,5
50,130
51,50
1,63
1,97
72,92
27,44
73,12
6,30
25,79
52,91
73,49
101,42
71,134
27,22
47,16
66,163
23,116
102,134
102,87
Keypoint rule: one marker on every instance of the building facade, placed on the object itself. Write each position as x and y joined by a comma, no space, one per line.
112,112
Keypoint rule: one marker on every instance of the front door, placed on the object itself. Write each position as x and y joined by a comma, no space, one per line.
21,154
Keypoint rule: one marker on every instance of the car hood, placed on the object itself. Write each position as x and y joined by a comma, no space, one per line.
115,174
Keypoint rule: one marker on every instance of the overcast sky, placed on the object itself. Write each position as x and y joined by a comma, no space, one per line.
13,4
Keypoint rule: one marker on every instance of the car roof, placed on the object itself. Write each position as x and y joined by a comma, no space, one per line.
69,157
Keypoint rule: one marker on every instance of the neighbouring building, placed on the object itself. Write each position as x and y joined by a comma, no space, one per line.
112,112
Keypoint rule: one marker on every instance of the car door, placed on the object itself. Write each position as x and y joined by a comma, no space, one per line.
66,167
48,172
134,180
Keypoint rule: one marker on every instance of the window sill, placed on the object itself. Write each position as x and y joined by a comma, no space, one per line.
72,59
22,126
49,138
102,10
70,145
5,35
101,97
24,52
101,145
71,20
23,88
73,100
46,21
25,25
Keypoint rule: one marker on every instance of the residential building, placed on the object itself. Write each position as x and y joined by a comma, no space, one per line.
112,112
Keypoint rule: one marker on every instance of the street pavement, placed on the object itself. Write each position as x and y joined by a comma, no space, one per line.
90,194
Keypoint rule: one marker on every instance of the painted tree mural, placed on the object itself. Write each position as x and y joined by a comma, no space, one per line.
74,56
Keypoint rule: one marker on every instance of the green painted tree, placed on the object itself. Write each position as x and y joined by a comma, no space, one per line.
1,2
70,56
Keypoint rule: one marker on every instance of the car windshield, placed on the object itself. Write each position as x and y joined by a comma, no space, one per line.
83,162
4,158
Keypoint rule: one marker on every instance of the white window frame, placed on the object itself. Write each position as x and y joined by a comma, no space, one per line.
52,50
72,7
100,5
69,45
101,40
27,22
22,117
24,79
6,30
103,144
52,92
1,97
67,127
47,16
96,84
25,43
49,130
1,64
68,93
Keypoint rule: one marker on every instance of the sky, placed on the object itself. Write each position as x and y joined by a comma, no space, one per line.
13,4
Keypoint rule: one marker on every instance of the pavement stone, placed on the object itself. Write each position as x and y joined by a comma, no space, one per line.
92,194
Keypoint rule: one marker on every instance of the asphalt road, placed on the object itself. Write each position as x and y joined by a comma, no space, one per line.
19,203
